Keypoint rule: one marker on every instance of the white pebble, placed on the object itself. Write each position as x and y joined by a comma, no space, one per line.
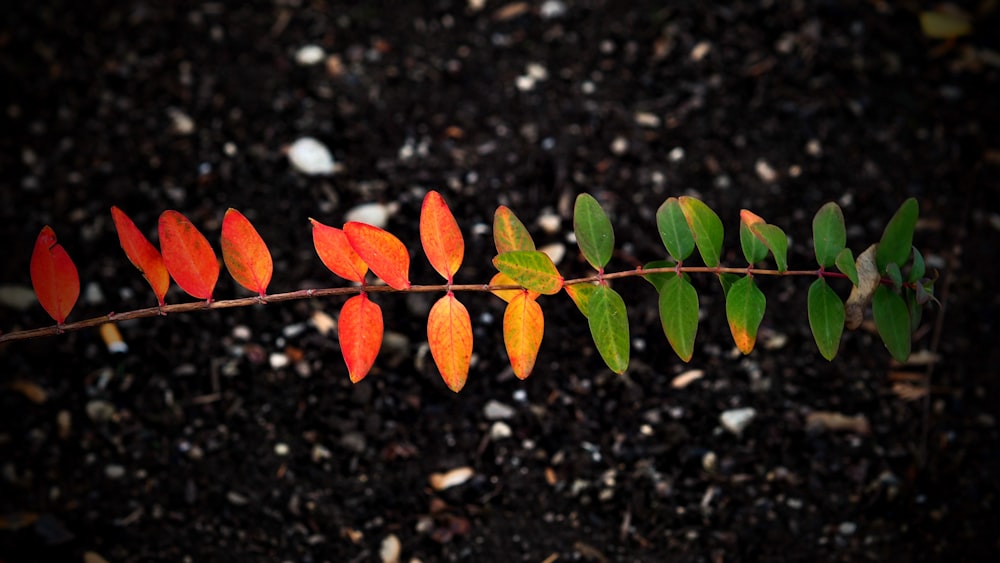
310,156
700,50
500,430
551,9
619,145
814,148
537,71
375,214
390,549
646,119
281,449
685,379
736,420
457,476
278,360
555,251
242,332
19,297
764,171
676,155
549,222
310,55
114,471
495,410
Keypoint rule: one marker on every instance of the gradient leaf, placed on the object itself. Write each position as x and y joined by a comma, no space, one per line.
753,247
775,241
385,254
897,238
360,332
509,232
674,230
336,252
54,276
142,254
531,269
829,234
826,317
706,227
608,321
581,293
523,327
679,315
745,305
245,253
440,236
892,319
507,294
188,255
449,334
593,231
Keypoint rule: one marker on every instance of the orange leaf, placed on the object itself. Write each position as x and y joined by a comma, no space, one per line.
384,253
54,276
360,330
440,236
523,327
188,256
335,251
143,255
245,254
751,218
449,334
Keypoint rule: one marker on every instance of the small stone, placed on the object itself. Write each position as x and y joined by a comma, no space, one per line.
375,214
549,222
676,154
323,323
18,297
93,557
700,50
814,148
114,471
281,449
242,332
555,251
310,156
353,441
847,528
99,410
495,410
619,145
551,9
92,294
452,478
180,122
293,330
236,499
764,171
499,431
278,360
310,55
736,420
390,549
686,378
646,119
64,423
320,452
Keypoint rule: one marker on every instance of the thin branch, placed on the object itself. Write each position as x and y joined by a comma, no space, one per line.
340,291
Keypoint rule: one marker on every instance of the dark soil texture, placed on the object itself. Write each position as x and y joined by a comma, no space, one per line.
236,435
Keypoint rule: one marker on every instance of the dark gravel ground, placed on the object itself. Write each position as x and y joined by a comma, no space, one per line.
192,446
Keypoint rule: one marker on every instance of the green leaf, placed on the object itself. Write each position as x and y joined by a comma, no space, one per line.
674,230
658,280
829,234
581,293
532,269
706,227
892,270
915,308
845,263
679,315
918,269
753,248
727,281
608,322
897,239
593,231
826,317
892,319
509,233
775,241
745,305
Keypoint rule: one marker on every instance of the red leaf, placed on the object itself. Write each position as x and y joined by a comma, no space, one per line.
360,330
245,254
143,255
440,236
384,253
523,327
188,256
449,334
335,251
54,276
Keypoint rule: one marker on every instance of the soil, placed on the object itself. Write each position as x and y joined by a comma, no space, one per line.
236,435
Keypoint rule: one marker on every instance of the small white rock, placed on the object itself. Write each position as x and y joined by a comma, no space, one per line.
676,155
18,297
99,410
685,379
619,145
551,9
764,171
278,360
736,420
375,214
310,55
310,156
457,476
647,119
281,449
500,430
556,251
537,71
814,148
180,122
242,332
114,471
390,549
495,410
549,222
700,50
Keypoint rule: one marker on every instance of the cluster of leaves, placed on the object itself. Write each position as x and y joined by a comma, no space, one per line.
525,274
